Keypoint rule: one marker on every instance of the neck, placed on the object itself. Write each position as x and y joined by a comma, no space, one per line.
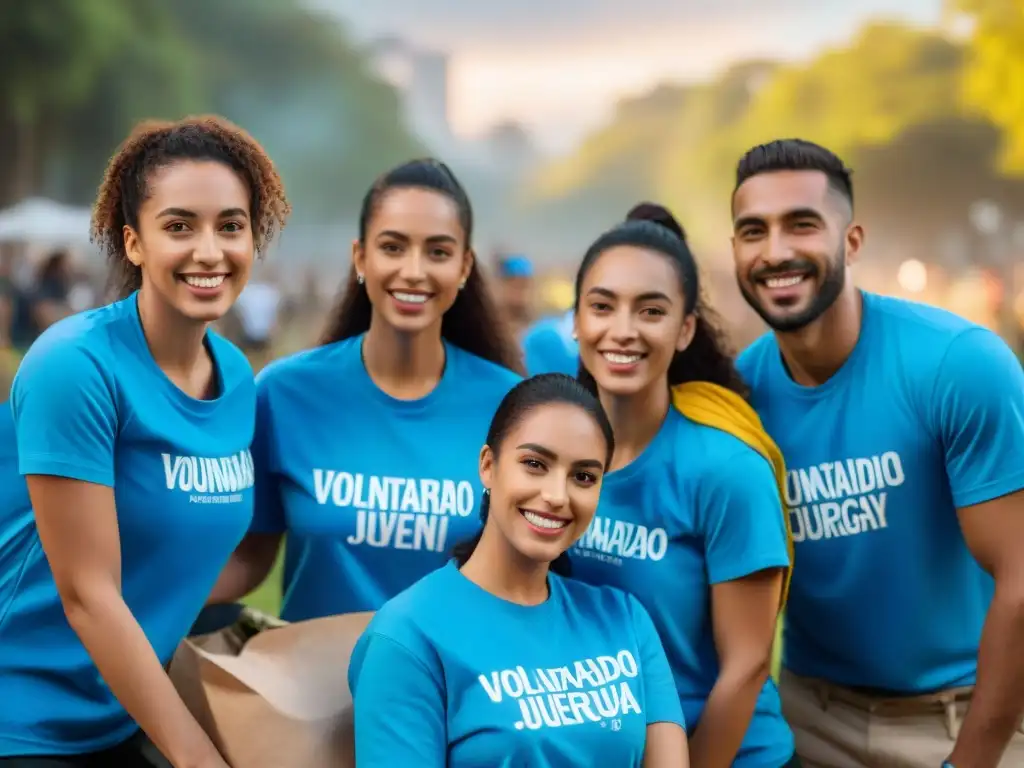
499,568
813,354
395,360
635,420
175,341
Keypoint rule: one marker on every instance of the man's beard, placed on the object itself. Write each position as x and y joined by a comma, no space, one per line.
829,290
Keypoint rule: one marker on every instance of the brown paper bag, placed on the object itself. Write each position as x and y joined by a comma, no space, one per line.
277,700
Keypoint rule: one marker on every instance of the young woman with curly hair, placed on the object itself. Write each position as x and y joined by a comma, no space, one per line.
133,423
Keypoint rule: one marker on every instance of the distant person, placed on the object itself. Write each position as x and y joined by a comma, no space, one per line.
257,309
902,426
516,291
549,346
690,520
498,658
366,446
133,424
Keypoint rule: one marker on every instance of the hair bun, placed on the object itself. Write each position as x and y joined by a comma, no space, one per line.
659,214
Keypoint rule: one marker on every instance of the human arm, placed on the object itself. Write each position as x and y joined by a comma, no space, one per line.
665,745
978,415
66,423
250,563
745,550
399,705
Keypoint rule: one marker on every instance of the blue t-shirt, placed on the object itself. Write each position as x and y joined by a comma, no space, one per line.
548,347
925,416
372,491
698,507
448,674
90,403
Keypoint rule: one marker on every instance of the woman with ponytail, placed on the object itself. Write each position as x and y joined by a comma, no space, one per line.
483,661
690,520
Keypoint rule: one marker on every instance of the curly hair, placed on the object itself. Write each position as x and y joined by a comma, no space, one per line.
157,144
709,356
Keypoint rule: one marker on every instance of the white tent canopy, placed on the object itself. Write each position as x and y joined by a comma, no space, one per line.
38,221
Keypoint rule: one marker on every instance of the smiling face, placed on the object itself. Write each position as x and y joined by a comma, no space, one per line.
545,480
414,258
632,319
792,243
195,241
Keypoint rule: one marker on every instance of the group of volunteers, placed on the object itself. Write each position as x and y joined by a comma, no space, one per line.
581,568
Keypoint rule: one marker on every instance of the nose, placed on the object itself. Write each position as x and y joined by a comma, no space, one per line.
412,267
776,249
208,253
555,493
623,329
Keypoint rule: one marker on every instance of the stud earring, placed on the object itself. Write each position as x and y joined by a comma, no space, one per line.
462,285
359,279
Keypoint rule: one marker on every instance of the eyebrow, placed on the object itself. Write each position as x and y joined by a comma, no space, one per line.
184,213
647,296
395,235
796,213
551,455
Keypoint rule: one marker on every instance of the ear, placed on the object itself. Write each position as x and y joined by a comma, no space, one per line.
854,242
487,466
576,326
687,332
132,245
358,257
468,262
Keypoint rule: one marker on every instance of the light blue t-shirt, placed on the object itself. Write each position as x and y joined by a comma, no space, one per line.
548,347
698,507
448,675
372,491
926,416
90,403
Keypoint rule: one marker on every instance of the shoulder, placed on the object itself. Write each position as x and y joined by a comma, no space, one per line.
297,368
236,368
405,617
933,347
82,345
485,375
751,360
599,602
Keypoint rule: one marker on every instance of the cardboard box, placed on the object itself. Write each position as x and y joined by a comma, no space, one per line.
279,699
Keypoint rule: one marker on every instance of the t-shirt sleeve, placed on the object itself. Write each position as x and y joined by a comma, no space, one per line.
741,515
64,404
977,411
399,705
268,509
661,699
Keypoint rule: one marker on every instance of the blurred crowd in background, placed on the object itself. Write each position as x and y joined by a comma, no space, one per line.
924,99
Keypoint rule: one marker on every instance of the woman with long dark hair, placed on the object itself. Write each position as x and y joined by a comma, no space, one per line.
690,520
133,423
498,658
366,445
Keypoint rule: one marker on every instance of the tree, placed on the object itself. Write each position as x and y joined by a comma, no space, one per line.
993,84
55,53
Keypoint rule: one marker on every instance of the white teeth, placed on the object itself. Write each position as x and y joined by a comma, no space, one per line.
543,522
784,282
204,282
618,359
410,298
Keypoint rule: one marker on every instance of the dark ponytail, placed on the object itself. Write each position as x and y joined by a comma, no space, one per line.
545,389
709,356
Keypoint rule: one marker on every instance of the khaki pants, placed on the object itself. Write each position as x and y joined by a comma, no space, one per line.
836,727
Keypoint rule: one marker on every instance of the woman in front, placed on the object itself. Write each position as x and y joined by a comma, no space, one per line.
133,424
690,520
366,446
498,659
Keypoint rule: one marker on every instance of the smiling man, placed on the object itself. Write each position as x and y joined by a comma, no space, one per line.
903,431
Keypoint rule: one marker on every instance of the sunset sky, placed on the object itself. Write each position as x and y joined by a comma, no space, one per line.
559,65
